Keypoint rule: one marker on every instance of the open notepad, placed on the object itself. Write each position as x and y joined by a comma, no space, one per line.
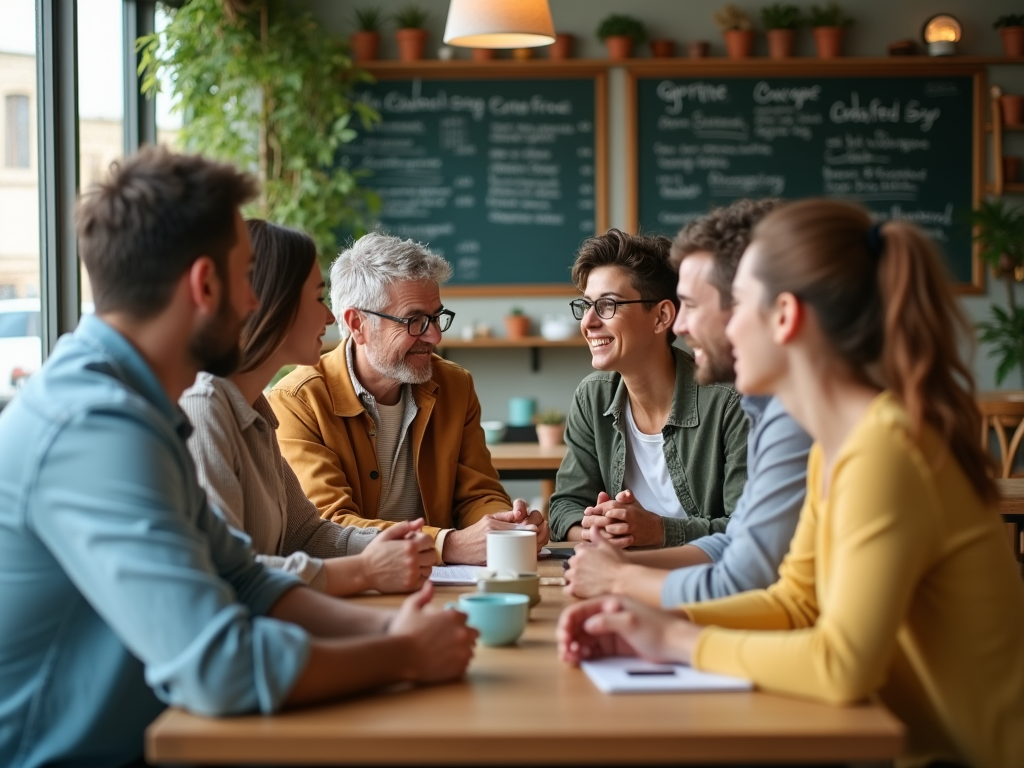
625,675
456,575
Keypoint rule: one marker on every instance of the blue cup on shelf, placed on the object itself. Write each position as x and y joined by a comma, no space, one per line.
520,411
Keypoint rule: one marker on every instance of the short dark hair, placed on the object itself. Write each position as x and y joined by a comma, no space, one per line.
142,228
643,257
282,260
725,234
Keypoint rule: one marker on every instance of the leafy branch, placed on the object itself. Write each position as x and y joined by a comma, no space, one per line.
264,87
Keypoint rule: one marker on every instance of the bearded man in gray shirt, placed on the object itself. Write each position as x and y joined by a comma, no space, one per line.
747,555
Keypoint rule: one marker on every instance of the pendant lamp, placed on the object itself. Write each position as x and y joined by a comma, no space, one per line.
499,24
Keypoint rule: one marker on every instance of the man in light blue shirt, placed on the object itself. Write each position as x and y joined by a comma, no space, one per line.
121,591
747,555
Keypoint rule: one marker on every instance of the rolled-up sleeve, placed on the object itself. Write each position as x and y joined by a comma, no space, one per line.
181,590
747,556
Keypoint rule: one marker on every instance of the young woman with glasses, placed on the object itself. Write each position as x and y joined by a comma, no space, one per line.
653,458
899,582
235,446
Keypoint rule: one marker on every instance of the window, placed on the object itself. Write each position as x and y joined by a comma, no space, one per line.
16,131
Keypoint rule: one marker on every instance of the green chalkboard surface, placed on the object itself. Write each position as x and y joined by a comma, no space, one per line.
902,146
498,175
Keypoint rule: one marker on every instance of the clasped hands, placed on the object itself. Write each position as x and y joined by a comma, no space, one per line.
623,521
469,545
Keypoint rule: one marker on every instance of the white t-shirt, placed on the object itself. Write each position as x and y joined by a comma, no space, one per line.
647,473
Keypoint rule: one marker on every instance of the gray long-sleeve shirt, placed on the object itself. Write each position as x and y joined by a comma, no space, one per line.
747,555
246,478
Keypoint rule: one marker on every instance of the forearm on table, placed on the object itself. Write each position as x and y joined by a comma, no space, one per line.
345,576
327,617
641,583
670,558
337,667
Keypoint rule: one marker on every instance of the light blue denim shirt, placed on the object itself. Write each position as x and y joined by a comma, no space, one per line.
748,554
121,592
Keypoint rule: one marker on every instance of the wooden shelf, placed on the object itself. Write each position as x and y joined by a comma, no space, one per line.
502,342
532,343
1005,128
1013,187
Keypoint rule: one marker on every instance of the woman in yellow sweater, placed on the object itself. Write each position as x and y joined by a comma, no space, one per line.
899,581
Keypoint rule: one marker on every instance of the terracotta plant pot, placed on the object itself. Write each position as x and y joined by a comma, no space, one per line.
619,47
1011,168
517,326
1013,41
829,41
663,49
484,54
522,54
364,45
698,49
1011,106
739,43
550,435
561,49
781,43
411,43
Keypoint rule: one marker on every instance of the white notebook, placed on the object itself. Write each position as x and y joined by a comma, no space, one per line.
625,675
455,575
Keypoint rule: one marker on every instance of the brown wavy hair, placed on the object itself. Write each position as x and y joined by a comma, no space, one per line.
886,308
282,260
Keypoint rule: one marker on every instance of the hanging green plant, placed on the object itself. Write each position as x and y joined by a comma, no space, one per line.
261,85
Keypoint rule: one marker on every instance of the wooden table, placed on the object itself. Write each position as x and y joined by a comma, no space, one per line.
521,705
528,461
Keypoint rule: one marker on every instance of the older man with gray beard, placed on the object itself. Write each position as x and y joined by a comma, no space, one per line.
382,429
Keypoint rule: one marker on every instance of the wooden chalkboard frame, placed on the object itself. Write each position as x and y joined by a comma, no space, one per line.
467,70
796,67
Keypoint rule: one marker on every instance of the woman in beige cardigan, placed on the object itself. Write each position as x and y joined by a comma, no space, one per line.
235,447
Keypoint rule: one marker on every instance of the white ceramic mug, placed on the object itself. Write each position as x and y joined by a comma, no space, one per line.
512,552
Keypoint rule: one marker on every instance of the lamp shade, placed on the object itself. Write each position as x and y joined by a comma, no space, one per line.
499,24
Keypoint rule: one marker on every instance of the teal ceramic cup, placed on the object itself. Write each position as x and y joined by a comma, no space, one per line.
499,618
520,411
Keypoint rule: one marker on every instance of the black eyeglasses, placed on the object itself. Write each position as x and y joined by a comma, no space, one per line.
604,306
417,324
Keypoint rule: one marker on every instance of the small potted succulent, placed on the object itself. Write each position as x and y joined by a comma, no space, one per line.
829,24
550,428
663,48
410,33
365,41
781,22
1011,30
517,324
737,29
620,33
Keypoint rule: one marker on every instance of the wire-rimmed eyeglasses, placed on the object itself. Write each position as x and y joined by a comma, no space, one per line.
605,307
417,325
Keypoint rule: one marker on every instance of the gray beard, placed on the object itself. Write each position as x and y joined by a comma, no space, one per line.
397,370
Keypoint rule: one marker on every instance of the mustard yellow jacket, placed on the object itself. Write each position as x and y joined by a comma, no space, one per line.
327,436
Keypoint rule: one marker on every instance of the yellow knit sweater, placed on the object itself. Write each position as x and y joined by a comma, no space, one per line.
899,582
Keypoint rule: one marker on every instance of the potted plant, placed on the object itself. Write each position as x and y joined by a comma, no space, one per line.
620,33
1011,30
737,29
561,49
410,34
1011,108
663,48
365,41
829,24
517,324
550,428
1000,231
781,22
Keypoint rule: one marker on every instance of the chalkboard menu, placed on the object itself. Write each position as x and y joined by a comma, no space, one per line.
902,146
501,176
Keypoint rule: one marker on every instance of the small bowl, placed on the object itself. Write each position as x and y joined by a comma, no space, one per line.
494,431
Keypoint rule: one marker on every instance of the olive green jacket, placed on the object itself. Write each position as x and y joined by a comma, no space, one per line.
705,449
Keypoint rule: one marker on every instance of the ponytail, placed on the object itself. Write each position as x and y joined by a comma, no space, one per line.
884,303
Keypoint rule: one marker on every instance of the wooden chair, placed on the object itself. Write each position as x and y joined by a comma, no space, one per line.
1002,412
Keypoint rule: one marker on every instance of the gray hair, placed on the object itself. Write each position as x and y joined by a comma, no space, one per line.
362,273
